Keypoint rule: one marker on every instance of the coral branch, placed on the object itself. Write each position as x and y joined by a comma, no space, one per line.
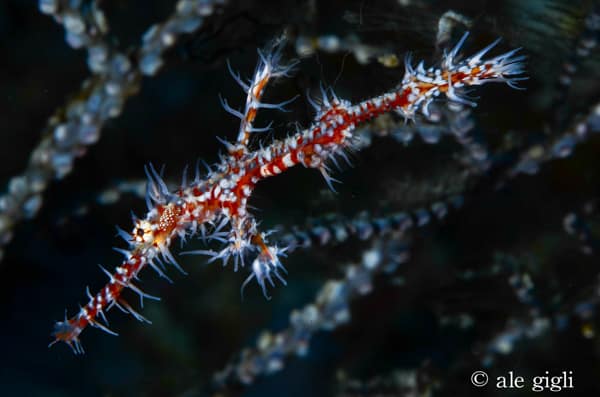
78,125
329,310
